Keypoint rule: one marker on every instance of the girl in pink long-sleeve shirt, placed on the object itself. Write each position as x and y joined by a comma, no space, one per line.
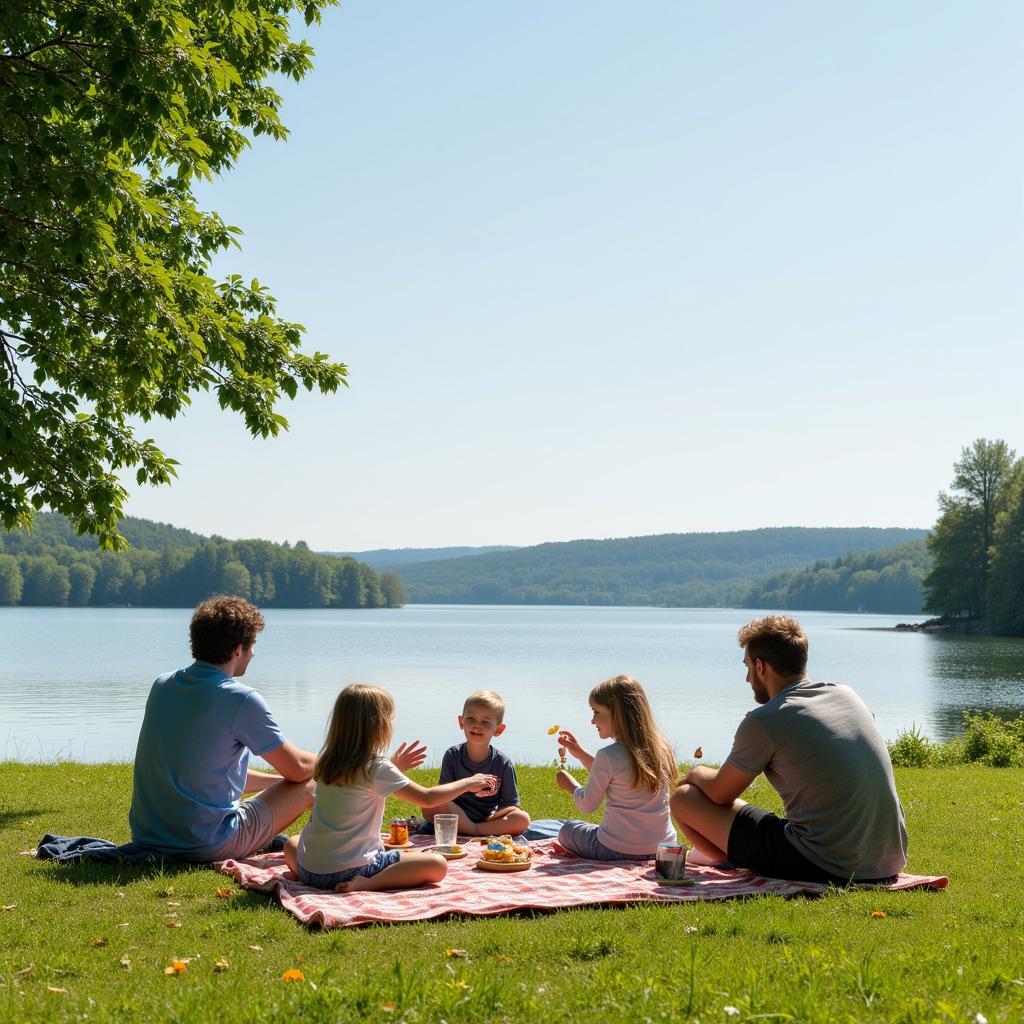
632,775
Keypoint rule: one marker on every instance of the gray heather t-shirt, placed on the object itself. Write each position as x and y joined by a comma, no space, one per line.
817,744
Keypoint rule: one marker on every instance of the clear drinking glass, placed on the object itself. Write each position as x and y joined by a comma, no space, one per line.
446,829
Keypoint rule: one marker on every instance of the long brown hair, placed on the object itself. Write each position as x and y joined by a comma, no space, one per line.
654,764
360,730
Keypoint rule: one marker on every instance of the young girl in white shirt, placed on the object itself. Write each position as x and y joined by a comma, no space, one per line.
632,774
340,846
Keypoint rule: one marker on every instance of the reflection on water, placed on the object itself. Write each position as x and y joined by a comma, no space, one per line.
73,682
977,674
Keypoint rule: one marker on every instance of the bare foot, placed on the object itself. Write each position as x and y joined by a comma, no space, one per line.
356,884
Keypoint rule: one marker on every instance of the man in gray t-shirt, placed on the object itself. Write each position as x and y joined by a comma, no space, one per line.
818,746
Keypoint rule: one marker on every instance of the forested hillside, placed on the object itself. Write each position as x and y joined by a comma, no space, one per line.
168,567
887,581
687,569
398,558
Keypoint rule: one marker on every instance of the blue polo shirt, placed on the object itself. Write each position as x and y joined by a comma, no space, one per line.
197,735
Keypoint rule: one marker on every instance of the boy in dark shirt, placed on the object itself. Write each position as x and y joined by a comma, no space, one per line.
482,814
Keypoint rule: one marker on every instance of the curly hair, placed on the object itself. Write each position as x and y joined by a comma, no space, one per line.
778,640
219,624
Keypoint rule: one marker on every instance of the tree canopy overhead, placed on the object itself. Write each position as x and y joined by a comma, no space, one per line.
110,110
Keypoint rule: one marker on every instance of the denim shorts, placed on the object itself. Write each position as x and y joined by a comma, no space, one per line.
580,837
255,830
374,866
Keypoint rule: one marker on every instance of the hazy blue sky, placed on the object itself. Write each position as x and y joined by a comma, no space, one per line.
604,269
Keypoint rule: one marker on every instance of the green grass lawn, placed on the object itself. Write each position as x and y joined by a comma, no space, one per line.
92,943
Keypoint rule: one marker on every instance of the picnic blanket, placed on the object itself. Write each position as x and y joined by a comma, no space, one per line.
557,879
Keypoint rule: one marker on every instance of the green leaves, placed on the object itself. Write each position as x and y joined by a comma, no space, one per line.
971,535
108,112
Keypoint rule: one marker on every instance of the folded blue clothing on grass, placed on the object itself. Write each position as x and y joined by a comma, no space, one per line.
544,828
66,849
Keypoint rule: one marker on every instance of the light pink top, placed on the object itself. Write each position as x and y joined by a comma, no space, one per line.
635,820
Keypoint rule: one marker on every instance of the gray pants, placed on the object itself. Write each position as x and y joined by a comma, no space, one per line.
580,837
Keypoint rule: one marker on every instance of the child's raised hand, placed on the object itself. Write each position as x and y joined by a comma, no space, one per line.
567,740
409,756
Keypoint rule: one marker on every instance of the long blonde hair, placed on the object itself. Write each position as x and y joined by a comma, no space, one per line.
360,730
654,764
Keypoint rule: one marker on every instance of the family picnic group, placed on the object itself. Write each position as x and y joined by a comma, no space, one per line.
816,743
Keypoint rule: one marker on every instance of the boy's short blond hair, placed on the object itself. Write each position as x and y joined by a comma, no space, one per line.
486,699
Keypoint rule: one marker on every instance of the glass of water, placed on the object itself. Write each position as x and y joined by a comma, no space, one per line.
446,828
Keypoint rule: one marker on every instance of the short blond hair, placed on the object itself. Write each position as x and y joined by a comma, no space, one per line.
486,699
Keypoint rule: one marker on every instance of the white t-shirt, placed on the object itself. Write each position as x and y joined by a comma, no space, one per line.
343,830
635,820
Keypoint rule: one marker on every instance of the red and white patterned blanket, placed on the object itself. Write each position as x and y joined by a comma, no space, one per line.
557,879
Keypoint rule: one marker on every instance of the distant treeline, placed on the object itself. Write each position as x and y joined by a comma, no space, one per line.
881,581
398,558
168,567
691,569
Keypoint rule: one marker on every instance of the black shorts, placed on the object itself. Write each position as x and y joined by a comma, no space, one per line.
757,840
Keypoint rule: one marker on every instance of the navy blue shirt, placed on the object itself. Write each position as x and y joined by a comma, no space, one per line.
457,765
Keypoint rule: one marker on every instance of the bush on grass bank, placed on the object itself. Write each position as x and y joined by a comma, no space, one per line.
988,740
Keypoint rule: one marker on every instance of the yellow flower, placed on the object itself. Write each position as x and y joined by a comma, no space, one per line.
225,892
177,967
220,965
293,974
878,914
553,730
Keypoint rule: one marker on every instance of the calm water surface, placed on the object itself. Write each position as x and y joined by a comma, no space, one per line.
73,682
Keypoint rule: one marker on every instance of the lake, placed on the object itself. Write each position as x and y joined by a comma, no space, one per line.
74,681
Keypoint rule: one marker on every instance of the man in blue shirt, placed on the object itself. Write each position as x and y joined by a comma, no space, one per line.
200,728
